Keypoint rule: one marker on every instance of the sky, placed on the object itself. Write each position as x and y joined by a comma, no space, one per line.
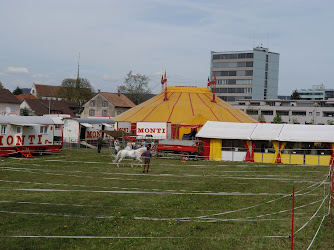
41,40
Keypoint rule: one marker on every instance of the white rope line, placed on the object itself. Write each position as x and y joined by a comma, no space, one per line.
316,232
246,208
208,220
286,210
313,189
85,186
116,207
143,192
64,215
138,237
156,175
187,175
312,215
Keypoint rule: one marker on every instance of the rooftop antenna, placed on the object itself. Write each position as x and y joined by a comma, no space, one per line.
78,79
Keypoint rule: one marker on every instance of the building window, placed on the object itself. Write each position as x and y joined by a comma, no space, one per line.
92,103
282,113
104,112
309,113
252,112
299,113
3,129
318,114
44,130
267,112
57,126
92,112
104,104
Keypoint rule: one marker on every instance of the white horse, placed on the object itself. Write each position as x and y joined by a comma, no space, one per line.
132,154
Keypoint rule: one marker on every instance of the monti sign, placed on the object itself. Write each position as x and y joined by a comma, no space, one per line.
158,130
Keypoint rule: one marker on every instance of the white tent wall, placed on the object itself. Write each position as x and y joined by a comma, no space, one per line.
291,133
267,131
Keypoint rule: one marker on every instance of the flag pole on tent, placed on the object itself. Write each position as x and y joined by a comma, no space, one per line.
164,85
213,83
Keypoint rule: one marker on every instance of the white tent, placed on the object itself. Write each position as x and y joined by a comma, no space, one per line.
227,130
267,131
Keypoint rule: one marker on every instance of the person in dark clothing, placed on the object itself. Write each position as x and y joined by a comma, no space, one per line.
147,158
99,144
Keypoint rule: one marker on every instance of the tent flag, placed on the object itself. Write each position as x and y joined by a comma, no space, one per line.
162,79
279,146
331,162
249,145
165,75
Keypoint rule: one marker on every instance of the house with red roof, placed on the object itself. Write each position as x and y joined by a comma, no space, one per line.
25,96
41,107
105,104
45,91
9,104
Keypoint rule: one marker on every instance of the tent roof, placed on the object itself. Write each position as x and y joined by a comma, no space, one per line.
267,131
198,119
184,104
307,133
24,120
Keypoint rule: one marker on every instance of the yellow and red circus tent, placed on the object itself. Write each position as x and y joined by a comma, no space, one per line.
185,108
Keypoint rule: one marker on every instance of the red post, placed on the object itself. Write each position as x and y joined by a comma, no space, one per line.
293,213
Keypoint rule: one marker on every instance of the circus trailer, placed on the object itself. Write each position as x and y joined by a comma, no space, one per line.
125,126
27,135
86,131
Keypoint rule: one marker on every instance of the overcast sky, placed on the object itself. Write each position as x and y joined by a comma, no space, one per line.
41,39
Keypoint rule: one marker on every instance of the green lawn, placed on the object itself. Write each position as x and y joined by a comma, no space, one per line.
85,201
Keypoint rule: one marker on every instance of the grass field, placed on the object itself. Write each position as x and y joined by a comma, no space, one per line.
84,201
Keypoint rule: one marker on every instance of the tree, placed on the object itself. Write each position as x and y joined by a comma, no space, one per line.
17,91
25,112
329,122
294,121
136,87
78,90
261,118
278,119
295,95
1,86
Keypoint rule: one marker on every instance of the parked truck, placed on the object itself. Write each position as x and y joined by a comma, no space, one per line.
184,148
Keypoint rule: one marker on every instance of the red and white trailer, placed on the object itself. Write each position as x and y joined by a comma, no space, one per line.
26,135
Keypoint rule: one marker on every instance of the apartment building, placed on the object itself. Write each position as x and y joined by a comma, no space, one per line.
319,112
317,92
250,74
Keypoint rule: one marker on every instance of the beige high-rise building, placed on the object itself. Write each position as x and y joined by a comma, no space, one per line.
250,74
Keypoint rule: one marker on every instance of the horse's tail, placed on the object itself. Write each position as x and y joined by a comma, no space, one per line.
117,156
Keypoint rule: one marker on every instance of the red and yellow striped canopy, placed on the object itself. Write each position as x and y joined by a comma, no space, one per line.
184,104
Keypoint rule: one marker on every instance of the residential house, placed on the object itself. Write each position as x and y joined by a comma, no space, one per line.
25,96
49,92
40,107
105,104
9,104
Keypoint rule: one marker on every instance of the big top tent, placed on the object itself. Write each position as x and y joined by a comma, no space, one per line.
183,107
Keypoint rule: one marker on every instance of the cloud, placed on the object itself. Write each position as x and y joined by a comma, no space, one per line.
17,70
38,75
